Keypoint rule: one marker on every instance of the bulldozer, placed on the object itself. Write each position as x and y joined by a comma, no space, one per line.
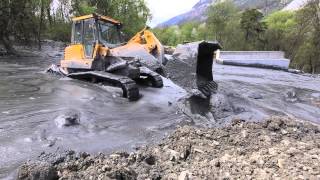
98,54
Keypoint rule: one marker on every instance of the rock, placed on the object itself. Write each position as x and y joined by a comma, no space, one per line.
244,134
215,163
274,124
295,71
83,155
150,160
115,156
245,149
106,168
122,173
185,175
167,58
255,96
215,143
291,96
169,50
68,119
52,142
37,171
281,163
186,51
198,151
220,106
171,176
173,155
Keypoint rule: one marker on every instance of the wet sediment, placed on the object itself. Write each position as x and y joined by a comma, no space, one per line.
232,148
279,147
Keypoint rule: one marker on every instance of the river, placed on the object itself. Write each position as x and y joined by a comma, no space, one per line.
32,101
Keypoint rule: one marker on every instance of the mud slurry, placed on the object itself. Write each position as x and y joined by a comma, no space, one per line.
276,148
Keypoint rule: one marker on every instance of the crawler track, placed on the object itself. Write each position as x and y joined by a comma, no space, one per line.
153,77
129,87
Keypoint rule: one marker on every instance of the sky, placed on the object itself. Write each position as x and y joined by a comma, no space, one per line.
163,10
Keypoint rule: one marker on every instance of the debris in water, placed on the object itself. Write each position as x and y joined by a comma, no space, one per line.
68,119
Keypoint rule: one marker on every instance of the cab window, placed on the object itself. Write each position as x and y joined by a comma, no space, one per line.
77,36
89,36
109,34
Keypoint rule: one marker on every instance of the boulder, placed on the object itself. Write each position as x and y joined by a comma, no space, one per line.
37,171
68,119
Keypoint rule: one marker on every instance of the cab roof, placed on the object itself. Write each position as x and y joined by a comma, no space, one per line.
97,17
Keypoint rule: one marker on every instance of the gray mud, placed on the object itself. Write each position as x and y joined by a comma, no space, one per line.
248,93
43,113
277,148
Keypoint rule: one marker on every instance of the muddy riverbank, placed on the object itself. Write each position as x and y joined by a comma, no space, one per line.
280,147
33,106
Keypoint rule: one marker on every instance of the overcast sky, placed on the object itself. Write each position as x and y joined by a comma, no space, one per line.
163,10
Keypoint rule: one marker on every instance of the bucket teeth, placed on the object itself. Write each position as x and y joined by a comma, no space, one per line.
209,88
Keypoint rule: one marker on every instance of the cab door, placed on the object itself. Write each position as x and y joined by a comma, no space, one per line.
89,38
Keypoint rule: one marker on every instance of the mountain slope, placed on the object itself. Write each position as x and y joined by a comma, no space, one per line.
296,5
198,12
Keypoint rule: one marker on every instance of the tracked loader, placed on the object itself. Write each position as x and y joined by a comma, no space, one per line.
97,54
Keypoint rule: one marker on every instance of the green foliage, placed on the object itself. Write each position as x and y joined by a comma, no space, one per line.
132,13
283,21
220,17
29,21
61,31
281,26
253,27
222,24
307,36
296,33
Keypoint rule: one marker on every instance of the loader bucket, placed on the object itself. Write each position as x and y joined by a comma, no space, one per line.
205,59
191,66
204,75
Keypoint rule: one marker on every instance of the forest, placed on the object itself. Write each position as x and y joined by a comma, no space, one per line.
297,33
28,22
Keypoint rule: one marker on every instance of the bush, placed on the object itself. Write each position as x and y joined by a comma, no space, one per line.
61,31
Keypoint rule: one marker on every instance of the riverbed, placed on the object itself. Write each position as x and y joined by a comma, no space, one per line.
31,103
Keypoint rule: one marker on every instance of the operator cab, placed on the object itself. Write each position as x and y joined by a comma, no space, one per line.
95,29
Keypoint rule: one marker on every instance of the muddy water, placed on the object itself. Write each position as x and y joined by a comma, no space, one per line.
255,94
32,101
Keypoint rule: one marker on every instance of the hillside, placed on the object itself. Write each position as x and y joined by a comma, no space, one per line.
296,4
198,12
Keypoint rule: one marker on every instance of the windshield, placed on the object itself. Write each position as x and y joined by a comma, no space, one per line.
109,34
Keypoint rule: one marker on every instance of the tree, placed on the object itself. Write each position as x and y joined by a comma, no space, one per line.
280,24
253,27
132,13
16,20
308,38
220,16
29,21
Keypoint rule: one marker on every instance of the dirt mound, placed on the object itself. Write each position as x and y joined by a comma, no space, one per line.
278,147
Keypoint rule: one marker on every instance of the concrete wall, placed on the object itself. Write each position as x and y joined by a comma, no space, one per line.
263,59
